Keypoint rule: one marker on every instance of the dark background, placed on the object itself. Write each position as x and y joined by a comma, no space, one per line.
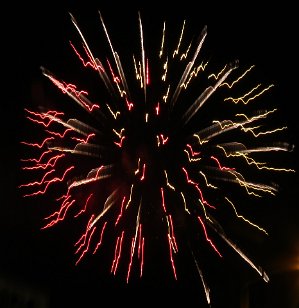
37,267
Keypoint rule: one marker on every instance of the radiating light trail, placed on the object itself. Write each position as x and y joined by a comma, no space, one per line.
159,157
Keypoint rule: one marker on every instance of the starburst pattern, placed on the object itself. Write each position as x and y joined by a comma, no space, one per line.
151,159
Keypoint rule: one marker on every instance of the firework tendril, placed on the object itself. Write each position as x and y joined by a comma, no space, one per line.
150,162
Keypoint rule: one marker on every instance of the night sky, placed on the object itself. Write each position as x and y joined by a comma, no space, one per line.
37,268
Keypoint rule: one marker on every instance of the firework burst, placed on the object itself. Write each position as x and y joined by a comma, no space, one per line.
148,161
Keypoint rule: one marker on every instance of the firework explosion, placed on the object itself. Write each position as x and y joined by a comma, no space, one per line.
152,163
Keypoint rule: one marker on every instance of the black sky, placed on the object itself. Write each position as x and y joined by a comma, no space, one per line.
40,263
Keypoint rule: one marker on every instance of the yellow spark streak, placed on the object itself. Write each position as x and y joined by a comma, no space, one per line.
242,217
204,211
219,74
184,55
166,94
130,198
165,67
194,73
251,161
116,114
223,126
138,71
122,76
229,123
248,159
136,228
121,92
248,185
173,244
167,183
256,117
209,185
109,202
185,205
250,129
242,98
199,140
205,286
238,79
158,140
143,69
238,250
163,38
189,67
180,39
191,159
138,166
119,134
266,132
204,96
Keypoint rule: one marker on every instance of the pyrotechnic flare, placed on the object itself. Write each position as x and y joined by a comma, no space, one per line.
151,161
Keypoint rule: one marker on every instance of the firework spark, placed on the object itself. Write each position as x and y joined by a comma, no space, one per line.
150,161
